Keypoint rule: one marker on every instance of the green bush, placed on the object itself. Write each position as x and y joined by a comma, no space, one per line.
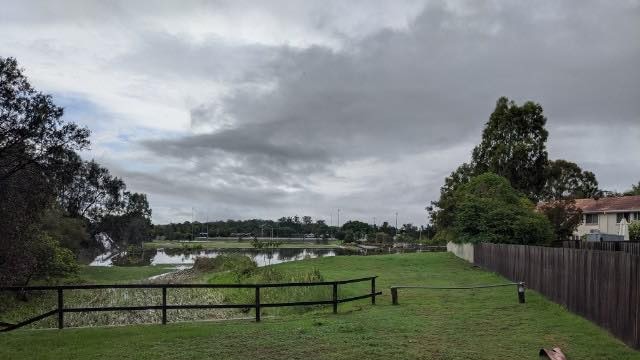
634,231
349,236
488,209
52,260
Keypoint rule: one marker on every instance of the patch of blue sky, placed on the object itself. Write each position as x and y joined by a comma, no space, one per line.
80,110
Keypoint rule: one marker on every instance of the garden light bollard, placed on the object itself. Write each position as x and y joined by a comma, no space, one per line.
521,292
394,296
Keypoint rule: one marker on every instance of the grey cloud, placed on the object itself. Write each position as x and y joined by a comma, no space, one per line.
434,85
296,119
428,88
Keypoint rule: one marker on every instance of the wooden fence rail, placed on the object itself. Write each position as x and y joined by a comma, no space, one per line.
520,288
602,286
257,304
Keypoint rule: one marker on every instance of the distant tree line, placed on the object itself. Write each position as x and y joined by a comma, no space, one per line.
293,226
51,201
283,227
510,191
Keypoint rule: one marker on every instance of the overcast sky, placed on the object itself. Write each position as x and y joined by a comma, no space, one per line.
273,108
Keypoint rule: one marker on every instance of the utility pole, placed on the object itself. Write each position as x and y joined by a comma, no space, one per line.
396,223
192,220
338,218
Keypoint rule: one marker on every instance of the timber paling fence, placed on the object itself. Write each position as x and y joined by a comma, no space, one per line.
631,247
164,306
602,286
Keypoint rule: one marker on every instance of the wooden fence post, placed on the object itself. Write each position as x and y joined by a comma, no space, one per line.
373,291
335,297
164,305
60,309
394,296
521,292
257,303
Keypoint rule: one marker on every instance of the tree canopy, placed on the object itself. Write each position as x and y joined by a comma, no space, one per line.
513,146
50,199
489,209
565,180
635,190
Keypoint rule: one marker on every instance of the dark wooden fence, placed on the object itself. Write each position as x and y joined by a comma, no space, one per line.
632,248
602,286
257,304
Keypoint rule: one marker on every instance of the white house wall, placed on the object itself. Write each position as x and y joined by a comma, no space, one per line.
606,224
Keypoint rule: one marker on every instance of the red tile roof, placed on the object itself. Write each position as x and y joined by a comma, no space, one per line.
610,204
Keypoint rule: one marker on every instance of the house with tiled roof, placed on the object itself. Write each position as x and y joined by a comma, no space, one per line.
608,215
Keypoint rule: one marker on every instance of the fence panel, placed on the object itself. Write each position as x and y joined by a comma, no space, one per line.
602,286
631,247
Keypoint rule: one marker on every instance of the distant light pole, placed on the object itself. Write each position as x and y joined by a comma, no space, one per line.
192,221
427,227
262,230
396,223
338,218
331,224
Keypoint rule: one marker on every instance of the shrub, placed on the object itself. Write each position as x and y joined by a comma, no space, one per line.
634,231
564,217
349,236
488,209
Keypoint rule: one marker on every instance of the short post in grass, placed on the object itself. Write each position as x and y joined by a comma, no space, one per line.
164,305
257,303
373,291
394,296
335,297
60,309
521,292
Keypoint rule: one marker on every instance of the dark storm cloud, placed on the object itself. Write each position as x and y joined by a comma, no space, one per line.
432,86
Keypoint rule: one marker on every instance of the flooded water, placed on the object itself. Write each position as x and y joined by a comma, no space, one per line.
178,257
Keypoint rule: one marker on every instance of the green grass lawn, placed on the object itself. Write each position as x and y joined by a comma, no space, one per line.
220,244
428,324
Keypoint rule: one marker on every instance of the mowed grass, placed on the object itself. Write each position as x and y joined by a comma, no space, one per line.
220,244
428,324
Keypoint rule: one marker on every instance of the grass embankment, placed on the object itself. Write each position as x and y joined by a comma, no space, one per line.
222,244
428,324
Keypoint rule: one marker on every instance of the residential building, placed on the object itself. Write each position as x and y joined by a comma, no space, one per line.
606,215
